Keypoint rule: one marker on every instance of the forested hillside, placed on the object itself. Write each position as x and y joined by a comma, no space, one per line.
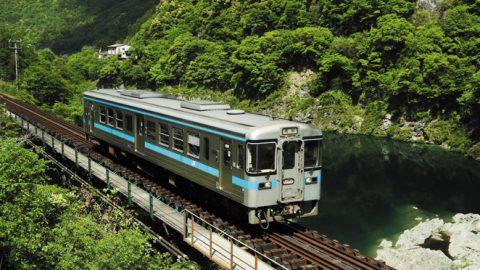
68,25
396,68
405,69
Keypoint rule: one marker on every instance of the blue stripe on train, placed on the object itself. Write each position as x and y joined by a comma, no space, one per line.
210,170
250,185
182,159
244,183
114,132
223,134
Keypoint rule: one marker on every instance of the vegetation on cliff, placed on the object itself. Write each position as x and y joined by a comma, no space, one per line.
386,68
67,25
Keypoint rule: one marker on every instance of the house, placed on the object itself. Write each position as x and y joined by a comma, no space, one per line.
120,50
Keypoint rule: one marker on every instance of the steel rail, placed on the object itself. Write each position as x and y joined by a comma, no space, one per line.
321,260
71,130
318,244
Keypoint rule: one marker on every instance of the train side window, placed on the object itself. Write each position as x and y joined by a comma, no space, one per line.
103,114
206,143
129,122
151,131
240,157
177,139
110,117
227,155
164,135
193,140
119,117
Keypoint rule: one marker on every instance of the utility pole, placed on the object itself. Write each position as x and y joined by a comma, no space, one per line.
15,45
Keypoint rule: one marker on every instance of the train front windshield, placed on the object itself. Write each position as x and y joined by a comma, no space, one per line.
261,158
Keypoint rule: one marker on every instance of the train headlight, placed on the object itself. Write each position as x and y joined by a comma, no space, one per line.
266,185
311,180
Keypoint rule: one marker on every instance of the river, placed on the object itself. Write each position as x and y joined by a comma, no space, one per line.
375,188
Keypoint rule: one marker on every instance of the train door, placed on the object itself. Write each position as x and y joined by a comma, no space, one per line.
89,117
139,133
225,164
291,181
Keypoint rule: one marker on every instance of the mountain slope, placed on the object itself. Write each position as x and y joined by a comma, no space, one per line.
67,25
382,61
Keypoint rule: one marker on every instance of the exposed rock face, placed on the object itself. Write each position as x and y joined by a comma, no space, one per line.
430,5
434,244
297,82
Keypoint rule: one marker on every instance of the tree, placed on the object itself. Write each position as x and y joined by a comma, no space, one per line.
5,54
111,73
256,73
18,165
86,62
347,17
45,226
48,79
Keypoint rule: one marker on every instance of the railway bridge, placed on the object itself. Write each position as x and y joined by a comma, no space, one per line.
286,246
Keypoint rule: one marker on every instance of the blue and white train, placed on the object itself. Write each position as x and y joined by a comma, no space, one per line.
270,166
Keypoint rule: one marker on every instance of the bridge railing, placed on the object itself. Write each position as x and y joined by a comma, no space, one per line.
197,230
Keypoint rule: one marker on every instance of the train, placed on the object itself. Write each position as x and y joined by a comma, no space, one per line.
269,166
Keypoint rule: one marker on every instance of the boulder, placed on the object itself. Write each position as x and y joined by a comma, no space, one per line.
464,239
418,234
415,258
434,244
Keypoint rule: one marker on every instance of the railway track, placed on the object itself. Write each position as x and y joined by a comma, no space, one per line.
288,244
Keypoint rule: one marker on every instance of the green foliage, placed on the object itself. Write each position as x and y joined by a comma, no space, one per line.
81,243
358,15
86,62
111,75
336,112
383,56
5,54
71,112
374,114
335,72
449,133
8,127
196,61
18,165
57,24
474,151
48,227
255,72
7,60
11,89
49,79
396,132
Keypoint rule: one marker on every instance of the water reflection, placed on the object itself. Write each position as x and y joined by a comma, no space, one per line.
375,188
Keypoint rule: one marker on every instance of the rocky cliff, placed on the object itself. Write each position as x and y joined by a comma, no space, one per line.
435,244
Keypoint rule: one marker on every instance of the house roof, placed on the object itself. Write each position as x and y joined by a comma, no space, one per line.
117,45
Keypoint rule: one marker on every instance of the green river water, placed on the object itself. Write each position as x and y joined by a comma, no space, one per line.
374,188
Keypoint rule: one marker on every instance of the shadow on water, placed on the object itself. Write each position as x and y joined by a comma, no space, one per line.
375,188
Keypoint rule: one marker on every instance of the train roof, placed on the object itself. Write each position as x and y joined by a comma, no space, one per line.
207,113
